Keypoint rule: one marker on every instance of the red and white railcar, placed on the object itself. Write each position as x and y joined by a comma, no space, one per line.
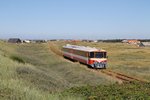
96,58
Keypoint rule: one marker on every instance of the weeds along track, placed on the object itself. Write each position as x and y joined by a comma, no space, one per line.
124,78
55,49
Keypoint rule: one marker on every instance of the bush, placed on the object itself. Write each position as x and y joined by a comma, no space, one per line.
23,70
18,59
114,91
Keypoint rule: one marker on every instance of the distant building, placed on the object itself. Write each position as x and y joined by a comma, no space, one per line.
141,44
146,44
40,41
131,41
124,41
26,41
14,40
95,41
87,40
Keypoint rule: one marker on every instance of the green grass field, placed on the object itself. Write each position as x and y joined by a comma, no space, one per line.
38,72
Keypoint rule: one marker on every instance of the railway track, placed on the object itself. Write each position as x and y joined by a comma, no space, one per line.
124,78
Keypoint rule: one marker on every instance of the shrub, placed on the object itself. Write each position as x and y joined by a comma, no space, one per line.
126,91
18,59
23,70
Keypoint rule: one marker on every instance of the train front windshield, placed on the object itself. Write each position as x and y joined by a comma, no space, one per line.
97,54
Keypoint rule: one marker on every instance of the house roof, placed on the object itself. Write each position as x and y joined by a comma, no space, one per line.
14,40
133,40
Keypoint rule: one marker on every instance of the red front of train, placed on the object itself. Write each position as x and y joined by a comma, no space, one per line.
98,59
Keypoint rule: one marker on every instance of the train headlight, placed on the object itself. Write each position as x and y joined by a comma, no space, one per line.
99,64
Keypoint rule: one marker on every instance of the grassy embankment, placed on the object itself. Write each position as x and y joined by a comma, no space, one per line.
33,71
12,87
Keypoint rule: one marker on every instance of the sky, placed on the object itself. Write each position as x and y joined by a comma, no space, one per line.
75,19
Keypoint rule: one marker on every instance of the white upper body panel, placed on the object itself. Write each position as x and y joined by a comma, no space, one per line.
82,48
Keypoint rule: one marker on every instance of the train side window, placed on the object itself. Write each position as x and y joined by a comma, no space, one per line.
91,54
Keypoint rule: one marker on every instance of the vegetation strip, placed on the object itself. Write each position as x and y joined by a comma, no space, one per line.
137,79
122,77
54,49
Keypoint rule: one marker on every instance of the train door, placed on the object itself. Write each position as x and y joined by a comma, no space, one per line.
87,56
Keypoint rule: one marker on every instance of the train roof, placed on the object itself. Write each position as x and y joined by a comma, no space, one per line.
82,48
